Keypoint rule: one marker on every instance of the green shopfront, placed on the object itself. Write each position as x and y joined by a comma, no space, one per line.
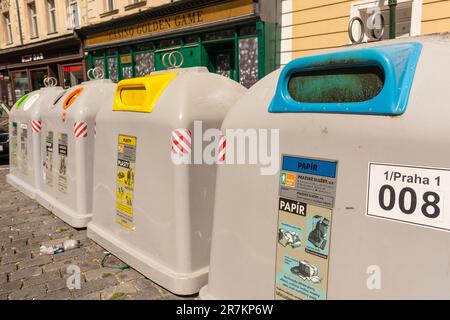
228,37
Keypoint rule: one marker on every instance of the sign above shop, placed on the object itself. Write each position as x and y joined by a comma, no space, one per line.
203,16
32,57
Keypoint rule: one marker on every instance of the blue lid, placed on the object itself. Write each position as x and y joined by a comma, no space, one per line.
397,64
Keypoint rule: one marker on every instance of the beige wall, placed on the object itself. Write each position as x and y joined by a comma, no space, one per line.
90,12
96,11
43,30
312,25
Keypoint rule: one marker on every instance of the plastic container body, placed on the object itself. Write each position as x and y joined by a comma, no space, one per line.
25,132
374,235
154,214
67,151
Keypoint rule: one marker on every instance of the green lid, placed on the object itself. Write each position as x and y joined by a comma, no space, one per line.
21,101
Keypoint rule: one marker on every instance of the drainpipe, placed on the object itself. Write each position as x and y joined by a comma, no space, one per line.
392,18
19,19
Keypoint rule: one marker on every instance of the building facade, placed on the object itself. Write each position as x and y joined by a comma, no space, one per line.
238,39
37,40
309,26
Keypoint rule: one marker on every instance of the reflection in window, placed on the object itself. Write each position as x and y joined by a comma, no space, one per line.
127,72
100,63
21,85
145,63
37,78
113,69
73,75
223,65
248,61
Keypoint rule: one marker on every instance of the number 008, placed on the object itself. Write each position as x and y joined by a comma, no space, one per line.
387,199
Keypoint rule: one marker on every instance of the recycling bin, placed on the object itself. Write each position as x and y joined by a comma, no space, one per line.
67,150
353,202
153,189
25,131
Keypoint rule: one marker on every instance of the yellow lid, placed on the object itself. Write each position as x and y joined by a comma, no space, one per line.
141,94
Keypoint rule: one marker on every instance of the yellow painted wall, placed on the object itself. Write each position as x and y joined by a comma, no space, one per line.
322,24
435,16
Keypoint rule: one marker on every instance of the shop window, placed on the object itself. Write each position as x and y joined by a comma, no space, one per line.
191,39
223,65
33,20
248,61
8,28
73,75
169,43
219,35
20,82
144,63
127,72
113,69
51,21
407,17
99,63
37,78
144,47
248,31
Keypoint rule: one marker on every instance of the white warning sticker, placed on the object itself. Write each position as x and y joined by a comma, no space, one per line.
408,194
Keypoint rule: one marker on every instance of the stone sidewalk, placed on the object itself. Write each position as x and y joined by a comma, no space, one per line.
25,274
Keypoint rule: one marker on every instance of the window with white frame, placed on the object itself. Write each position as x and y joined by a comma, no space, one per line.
33,20
408,17
73,14
8,28
51,16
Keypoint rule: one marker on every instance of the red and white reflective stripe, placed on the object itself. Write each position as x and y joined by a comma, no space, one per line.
222,150
36,126
181,142
80,129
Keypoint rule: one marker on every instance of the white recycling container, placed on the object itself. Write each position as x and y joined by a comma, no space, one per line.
355,202
150,210
25,133
67,149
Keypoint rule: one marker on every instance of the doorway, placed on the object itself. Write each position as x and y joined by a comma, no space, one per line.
222,59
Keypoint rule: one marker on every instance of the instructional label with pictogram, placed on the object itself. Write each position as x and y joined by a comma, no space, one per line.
24,148
305,205
126,162
48,159
63,149
14,145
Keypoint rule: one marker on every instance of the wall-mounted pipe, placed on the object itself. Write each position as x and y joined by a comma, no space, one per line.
392,18
19,19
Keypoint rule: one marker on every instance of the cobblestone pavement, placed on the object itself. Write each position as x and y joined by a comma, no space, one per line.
25,274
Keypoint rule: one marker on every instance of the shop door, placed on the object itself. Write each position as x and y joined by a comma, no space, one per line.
222,59
37,78
222,62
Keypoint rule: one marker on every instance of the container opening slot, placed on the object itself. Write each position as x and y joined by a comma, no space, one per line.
337,85
133,95
72,97
59,98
